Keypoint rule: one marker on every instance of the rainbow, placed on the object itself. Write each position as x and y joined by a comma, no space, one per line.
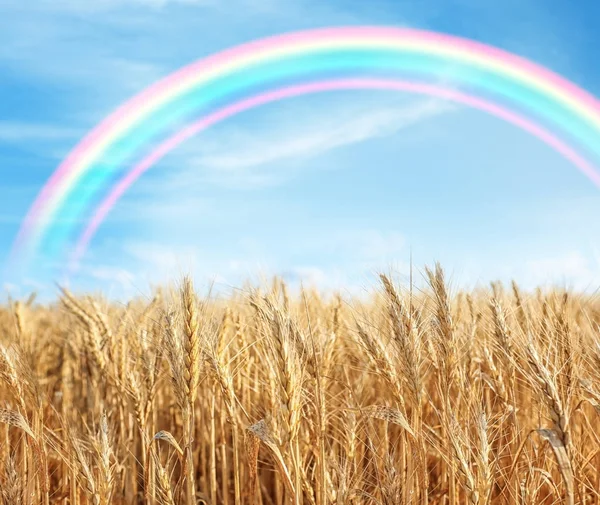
100,169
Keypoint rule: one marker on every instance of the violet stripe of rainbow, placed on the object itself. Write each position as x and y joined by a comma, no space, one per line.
317,87
91,148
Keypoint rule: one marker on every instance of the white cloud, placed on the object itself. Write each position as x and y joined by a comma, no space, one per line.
113,274
369,245
596,255
175,212
134,74
571,268
261,157
368,125
19,131
34,284
10,287
266,155
159,260
108,5
82,70
325,279
347,259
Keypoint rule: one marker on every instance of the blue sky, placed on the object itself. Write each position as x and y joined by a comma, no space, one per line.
324,189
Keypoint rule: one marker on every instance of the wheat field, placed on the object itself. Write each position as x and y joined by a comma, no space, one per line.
408,397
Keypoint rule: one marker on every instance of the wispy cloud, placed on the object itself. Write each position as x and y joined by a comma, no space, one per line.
111,273
367,244
256,156
572,269
23,132
161,260
259,157
109,5
378,123
323,260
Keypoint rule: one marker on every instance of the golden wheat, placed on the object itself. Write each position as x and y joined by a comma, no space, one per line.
487,398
